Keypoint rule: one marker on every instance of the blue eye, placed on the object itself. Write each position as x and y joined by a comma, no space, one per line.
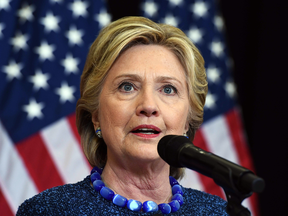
169,90
127,87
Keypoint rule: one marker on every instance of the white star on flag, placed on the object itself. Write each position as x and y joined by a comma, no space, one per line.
171,20
26,13
200,9
230,89
45,51
70,64
219,23
13,70
79,8
4,4
66,92
19,41
33,109
74,36
217,48
50,22
210,102
213,74
195,35
150,8
39,80
103,18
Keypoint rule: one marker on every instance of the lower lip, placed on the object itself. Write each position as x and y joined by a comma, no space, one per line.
147,136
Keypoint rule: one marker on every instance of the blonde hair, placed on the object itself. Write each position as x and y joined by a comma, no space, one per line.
108,46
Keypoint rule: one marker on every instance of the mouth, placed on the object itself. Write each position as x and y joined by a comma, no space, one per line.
146,130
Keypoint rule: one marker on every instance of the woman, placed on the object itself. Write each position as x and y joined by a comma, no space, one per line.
141,81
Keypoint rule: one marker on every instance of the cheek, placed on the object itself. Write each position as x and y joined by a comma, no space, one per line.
113,116
176,117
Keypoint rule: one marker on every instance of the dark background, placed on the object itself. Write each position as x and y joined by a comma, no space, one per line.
256,33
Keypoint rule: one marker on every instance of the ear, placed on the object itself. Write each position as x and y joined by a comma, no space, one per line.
95,120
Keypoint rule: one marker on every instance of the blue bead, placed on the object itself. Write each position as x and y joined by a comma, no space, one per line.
134,205
177,189
96,169
98,185
174,205
173,181
150,206
107,193
95,176
178,197
165,208
119,200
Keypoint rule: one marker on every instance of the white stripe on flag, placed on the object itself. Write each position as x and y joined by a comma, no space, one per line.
218,139
65,151
191,180
15,181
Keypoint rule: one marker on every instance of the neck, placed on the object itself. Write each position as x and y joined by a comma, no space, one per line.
139,183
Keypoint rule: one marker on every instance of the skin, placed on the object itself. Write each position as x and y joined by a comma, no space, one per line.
146,87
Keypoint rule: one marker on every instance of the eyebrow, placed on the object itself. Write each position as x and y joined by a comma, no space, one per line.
131,76
165,78
138,78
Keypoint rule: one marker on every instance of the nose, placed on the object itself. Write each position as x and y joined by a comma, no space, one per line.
147,104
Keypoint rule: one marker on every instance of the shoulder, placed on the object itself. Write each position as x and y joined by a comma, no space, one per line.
60,200
202,203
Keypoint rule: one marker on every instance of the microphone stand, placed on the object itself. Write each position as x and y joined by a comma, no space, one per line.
248,183
234,207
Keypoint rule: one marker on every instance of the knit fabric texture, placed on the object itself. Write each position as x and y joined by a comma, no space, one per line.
82,199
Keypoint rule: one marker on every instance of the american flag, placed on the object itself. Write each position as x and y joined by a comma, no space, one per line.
43,48
221,132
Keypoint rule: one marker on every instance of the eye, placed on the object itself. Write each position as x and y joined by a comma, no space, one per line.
169,89
126,87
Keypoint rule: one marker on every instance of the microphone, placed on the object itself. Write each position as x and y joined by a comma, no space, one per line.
179,151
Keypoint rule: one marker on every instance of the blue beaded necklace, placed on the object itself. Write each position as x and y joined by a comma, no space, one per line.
134,205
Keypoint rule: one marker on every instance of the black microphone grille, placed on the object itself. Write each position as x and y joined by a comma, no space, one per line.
169,147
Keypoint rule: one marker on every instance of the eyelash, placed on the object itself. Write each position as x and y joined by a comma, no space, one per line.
121,85
172,87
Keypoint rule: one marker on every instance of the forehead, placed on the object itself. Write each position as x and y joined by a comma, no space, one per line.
149,60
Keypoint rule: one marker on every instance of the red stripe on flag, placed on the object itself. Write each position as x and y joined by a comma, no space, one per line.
255,207
236,131
39,163
209,185
4,207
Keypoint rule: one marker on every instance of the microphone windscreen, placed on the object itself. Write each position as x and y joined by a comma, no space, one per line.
169,148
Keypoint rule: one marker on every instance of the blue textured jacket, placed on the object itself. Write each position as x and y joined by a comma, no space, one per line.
82,199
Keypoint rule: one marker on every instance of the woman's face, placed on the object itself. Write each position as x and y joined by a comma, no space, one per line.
144,98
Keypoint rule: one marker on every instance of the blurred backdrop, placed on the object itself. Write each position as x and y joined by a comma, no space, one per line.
43,46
